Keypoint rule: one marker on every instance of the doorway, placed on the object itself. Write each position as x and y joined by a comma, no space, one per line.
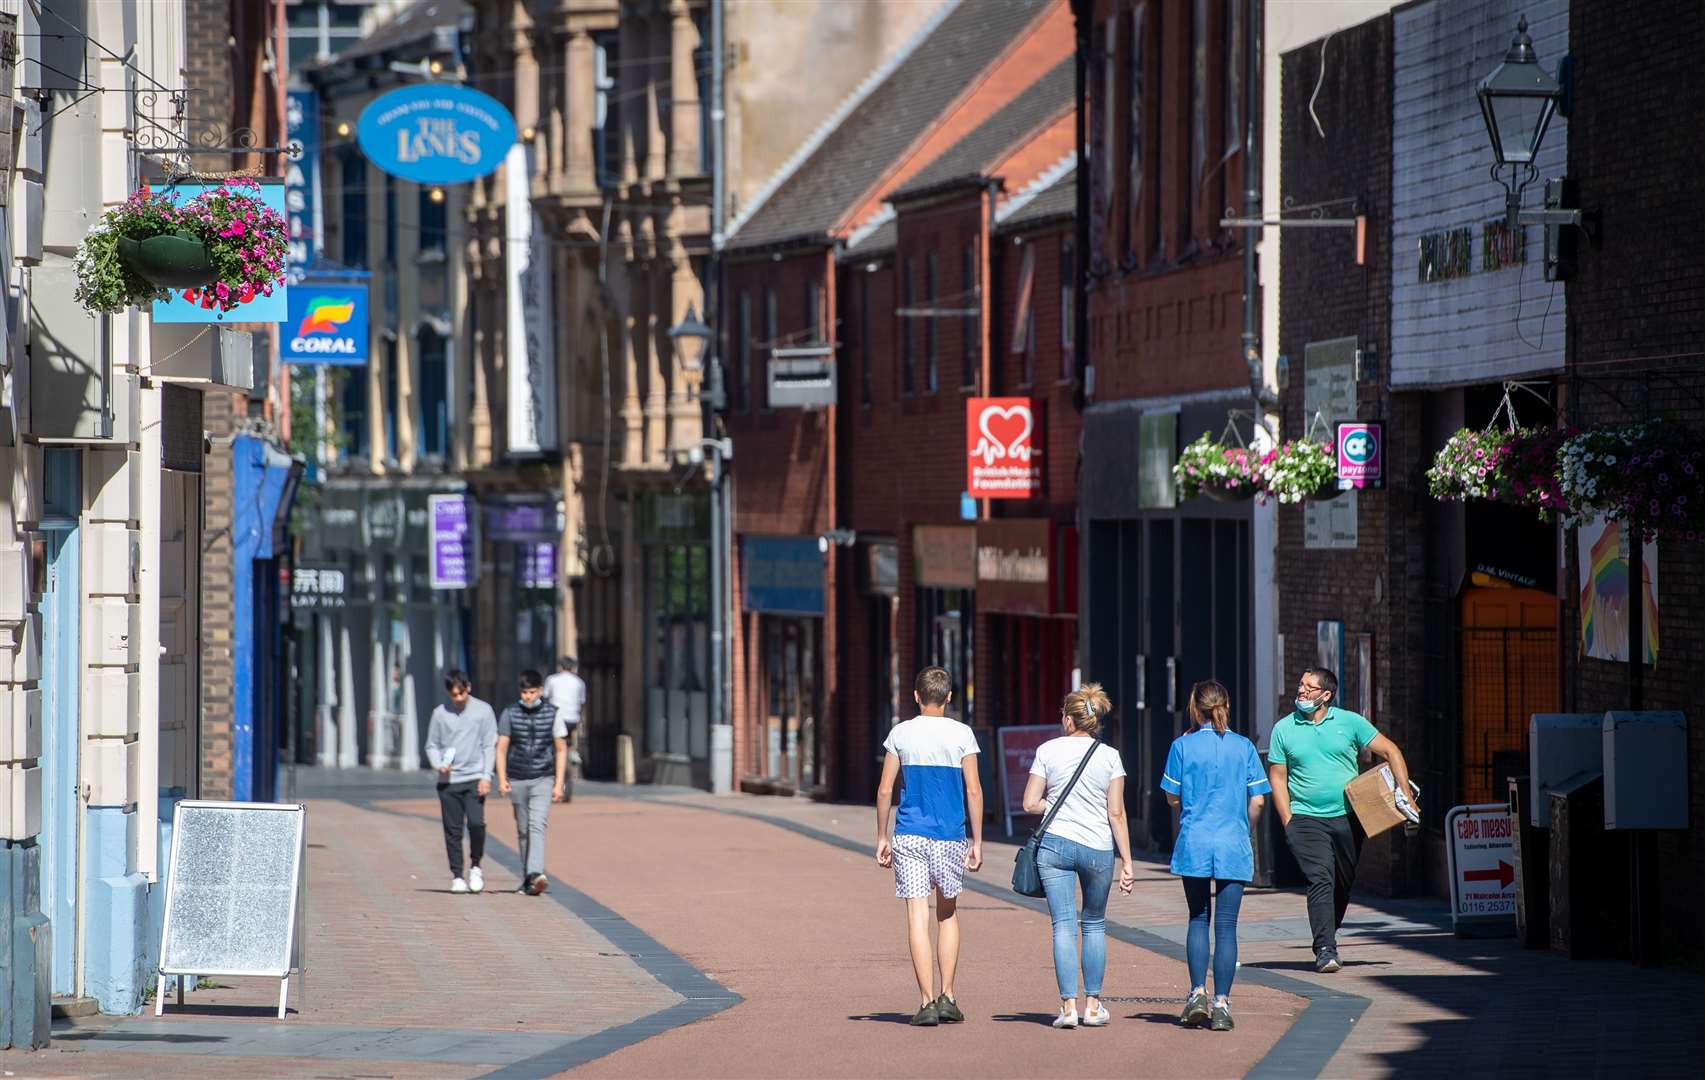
60,679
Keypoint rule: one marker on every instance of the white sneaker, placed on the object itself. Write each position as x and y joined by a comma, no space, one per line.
1066,1019
459,886
1099,1018
476,880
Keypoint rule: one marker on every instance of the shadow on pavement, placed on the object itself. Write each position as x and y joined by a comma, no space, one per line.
1155,1018
143,1036
884,1018
1308,965
1045,1019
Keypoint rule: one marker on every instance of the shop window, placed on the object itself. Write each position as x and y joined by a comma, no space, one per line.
390,220
743,366
932,281
864,351
792,736
434,222
1068,308
352,203
353,400
969,325
1024,317
434,395
943,634
771,340
606,121
813,310
908,356
393,393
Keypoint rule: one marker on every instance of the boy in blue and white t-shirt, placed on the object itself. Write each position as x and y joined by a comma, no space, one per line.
928,849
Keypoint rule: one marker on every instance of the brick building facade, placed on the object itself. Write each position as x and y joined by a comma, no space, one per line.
1176,598
1637,315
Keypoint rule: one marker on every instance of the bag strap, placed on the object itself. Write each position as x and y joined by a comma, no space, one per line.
1036,837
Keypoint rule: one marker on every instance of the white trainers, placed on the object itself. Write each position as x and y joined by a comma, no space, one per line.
459,886
1099,1018
476,880
1067,1019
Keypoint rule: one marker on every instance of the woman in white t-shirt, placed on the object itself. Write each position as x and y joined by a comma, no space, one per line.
1078,847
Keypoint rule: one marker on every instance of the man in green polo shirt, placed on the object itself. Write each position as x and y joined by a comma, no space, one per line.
1315,752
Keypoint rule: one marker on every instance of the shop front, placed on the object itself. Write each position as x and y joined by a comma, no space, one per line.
944,610
672,533
885,693
370,637
1027,588
784,601
1170,590
519,596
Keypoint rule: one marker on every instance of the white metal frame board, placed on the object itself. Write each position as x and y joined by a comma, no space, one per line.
288,952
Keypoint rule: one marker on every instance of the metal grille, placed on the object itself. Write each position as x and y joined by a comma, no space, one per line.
1508,673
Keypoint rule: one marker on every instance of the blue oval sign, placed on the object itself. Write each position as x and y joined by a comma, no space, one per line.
436,133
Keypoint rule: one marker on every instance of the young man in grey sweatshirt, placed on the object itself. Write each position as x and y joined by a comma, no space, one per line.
461,743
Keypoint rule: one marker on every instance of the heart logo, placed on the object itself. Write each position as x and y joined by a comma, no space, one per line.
1006,434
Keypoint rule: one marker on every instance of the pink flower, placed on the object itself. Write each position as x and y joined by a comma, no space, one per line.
223,290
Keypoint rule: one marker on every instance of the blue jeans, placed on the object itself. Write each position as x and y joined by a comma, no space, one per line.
1230,899
1063,864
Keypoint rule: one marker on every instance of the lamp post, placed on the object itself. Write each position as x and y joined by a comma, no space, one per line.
691,338
1517,102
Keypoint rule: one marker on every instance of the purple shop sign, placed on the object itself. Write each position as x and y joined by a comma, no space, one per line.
452,541
538,566
520,522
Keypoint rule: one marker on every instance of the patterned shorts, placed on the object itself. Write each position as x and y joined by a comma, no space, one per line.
921,864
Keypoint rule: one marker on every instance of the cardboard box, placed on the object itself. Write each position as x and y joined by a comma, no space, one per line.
1373,797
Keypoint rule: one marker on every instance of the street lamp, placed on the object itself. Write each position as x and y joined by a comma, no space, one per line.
691,339
1517,102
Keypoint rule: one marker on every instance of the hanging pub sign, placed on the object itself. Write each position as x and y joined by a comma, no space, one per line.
436,133
1361,454
327,324
1002,449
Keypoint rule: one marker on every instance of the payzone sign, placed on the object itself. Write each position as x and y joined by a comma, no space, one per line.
1361,454
327,325
1002,449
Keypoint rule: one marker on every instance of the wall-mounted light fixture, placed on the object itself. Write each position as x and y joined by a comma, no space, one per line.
1517,101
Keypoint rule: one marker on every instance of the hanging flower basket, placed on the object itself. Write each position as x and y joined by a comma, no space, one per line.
1224,473
177,260
1468,466
1651,473
1300,469
223,247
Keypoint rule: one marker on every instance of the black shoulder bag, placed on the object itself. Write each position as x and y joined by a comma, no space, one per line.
1026,878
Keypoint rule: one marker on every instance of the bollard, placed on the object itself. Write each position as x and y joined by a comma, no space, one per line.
721,759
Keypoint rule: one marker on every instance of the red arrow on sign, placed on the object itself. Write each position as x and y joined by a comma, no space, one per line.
1503,875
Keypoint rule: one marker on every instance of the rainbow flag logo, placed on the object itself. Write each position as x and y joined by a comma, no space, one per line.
1605,595
325,315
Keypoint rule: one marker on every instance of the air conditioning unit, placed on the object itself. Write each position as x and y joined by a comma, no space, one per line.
802,377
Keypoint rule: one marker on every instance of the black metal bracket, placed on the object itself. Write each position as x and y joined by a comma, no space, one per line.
1302,216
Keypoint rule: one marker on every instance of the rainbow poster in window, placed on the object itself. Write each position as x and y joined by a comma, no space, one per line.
1600,554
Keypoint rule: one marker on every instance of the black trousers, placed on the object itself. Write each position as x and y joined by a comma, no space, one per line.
456,803
1327,849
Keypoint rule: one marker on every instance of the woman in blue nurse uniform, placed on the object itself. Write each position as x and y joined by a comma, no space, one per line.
1215,779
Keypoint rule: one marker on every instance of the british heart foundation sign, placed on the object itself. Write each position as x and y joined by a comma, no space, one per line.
1002,451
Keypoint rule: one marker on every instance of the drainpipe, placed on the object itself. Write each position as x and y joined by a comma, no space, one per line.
1080,292
1264,397
721,658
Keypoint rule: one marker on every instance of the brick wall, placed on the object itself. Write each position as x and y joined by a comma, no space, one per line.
219,412
1633,148
1379,587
